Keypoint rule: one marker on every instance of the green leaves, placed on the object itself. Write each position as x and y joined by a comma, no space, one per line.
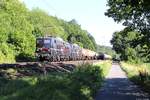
105,50
81,84
134,14
6,53
19,28
15,30
127,43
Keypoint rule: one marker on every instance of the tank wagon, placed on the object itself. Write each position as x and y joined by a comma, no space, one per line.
56,49
104,57
88,54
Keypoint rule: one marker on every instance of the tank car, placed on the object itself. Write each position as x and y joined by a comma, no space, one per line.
67,51
88,54
76,52
104,56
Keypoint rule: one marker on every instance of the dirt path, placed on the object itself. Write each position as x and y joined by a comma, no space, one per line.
118,87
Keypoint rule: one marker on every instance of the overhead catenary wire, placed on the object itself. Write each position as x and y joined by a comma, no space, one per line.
49,6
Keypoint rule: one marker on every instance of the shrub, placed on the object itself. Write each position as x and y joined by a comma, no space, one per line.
81,84
6,53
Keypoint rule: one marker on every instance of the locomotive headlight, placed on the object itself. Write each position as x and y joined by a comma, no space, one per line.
36,54
49,50
37,50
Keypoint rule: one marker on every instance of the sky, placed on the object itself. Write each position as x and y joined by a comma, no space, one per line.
88,13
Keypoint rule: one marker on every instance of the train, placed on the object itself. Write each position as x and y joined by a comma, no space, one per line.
56,49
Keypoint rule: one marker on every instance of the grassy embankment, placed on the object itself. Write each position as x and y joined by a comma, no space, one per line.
81,84
138,73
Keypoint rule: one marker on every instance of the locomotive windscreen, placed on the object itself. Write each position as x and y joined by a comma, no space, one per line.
43,42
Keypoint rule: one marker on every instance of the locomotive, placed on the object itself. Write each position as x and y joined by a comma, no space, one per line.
56,49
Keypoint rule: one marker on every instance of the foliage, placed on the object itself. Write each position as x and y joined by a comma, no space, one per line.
105,66
6,53
44,24
81,84
127,44
79,36
135,15
19,28
16,31
105,50
71,31
138,73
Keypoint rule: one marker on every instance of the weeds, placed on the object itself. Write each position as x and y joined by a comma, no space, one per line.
139,74
81,84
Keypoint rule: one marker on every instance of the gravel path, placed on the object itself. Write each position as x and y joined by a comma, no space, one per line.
118,87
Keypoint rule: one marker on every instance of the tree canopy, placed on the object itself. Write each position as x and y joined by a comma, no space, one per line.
15,30
135,14
105,50
124,44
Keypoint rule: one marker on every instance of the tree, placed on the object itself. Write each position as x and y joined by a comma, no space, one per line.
44,24
16,31
76,34
19,28
105,50
124,43
134,14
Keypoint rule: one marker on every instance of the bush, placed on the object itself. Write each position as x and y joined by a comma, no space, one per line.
6,53
88,78
81,84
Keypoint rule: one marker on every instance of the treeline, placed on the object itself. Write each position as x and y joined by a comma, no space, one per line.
101,49
127,43
19,28
132,43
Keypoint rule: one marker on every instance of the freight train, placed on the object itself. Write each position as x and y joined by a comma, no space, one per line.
56,49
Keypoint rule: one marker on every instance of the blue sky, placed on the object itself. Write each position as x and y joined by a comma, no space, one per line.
88,13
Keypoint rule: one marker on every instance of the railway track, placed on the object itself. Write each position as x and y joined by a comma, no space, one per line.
21,69
39,64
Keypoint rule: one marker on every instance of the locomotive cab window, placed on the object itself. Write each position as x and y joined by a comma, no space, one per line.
43,42
39,43
47,43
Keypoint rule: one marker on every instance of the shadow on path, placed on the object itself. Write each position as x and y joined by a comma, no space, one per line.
118,87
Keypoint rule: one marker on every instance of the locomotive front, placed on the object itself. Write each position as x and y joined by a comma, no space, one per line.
52,49
43,51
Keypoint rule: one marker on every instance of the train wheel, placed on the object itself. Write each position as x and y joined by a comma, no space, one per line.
55,59
58,58
70,58
51,59
41,58
62,59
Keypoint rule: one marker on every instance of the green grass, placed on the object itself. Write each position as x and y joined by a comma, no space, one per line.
82,84
133,72
105,66
148,66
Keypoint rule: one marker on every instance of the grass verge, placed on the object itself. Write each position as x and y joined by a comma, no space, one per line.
81,84
139,74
